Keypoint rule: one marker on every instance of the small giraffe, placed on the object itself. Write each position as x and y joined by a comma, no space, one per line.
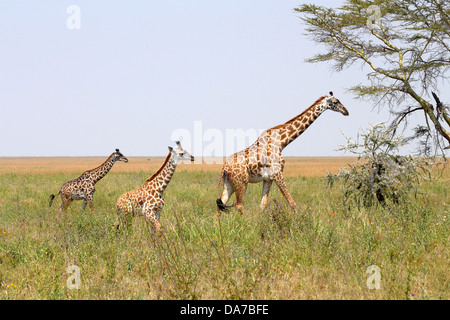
262,161
148,200
83,187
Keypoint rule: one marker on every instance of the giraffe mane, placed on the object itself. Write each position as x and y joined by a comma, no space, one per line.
294,118
100,165
160,169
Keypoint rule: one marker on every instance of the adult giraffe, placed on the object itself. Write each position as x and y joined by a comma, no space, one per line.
262,161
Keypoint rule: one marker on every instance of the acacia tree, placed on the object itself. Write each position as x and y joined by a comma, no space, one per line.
406,46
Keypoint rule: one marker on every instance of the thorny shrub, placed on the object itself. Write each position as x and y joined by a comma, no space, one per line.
380,174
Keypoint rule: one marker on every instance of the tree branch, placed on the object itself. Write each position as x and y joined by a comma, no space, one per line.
410,55
440,109
402,115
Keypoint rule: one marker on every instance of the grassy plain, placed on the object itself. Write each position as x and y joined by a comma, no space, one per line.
322,252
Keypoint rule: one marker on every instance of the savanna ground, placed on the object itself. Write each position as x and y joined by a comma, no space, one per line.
321,252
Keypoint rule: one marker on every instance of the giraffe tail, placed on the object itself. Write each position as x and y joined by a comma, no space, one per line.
220,205
52,196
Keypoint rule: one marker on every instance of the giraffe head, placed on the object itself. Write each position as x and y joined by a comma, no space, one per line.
118,156
334,104
179,153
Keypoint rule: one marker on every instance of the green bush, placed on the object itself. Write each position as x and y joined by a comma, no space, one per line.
380,174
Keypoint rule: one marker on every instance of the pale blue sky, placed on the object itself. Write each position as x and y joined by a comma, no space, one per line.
138,70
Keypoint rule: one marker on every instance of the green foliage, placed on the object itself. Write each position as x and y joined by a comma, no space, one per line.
403,48
381,175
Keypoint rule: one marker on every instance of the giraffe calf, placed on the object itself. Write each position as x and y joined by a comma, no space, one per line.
83,187
148,200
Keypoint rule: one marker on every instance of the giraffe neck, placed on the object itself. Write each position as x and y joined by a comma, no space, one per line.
101,171
160,180
293,128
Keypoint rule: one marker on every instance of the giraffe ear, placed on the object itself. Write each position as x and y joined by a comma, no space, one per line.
170,148
178,143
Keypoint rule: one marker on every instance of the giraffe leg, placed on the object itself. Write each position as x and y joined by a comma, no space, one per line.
265,194
151,214
91,205
120,220
89,199
157,214
159,231
124,209
158,207
279,180
239,181
150,217
90,202
121,216
65,202
240,197
83,206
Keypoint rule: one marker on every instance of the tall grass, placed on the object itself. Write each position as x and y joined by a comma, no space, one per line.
320,252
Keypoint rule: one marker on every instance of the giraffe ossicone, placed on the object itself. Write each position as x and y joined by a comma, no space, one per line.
148,200
83,187
263,162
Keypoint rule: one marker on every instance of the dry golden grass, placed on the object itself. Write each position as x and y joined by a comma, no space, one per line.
295,166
